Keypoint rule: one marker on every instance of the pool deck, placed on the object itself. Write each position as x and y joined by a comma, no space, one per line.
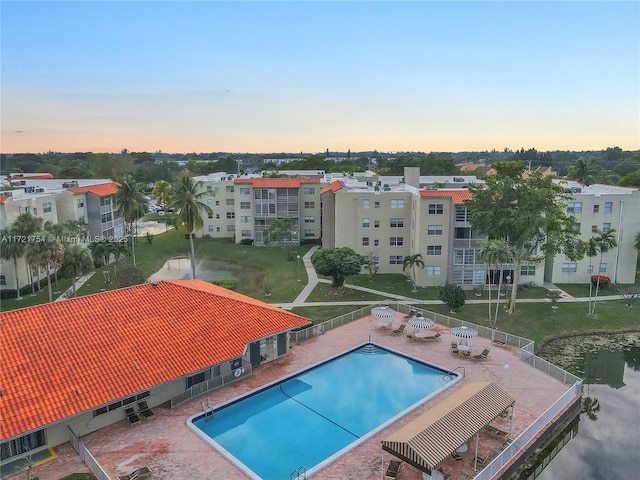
174,452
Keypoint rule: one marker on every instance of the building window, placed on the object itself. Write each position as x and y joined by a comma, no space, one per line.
23,444
434,250
231,201
80,203
217,203
606,227
3,279
365,241
527,270
434,229
309,204
376,243
216,190
244,219
396,241
574,207
397,223
309,190
376,224
245,233
596,208
395,260
590,269
81,219
229,188
309,234
245,191
398,203
603,267
433,270
594,228
208,188
245,205
461,213
576,227
570,267
365,222
217,216
365,203
217,229
436,209
210,214
309,219
231,215
608,207
231,228
210,228
209,202
376,204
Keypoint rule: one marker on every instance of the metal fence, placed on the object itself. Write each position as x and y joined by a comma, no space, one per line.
318,329
212,384
86,456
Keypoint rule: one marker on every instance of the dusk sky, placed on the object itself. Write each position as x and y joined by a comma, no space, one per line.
299,76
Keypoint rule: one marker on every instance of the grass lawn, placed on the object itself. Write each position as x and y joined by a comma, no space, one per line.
324,292
41,296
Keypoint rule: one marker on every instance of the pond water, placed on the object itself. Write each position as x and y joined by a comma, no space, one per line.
607,435
179,268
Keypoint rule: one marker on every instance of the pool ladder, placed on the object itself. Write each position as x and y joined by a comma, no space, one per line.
299,473
208,409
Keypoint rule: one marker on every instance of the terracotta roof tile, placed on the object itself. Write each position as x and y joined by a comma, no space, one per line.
332,187
458,195
3,198
63,358
276,182
101,189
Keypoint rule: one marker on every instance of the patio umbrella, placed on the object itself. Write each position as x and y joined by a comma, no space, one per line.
464,333
422,323
382,312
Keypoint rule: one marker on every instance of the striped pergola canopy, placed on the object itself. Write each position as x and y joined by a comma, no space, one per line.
433,436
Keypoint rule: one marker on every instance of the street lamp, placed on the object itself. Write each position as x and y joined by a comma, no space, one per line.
298,256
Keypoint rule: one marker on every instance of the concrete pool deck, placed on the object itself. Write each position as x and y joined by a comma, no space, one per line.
174,452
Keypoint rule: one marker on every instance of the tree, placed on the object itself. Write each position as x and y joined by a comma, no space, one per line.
163,192
101,250
591,407
583,171
76,228
370,262
528,214
453,296
77,261
591,250
132,204
495,252
24,226
413,261
190,209
12,248
281,232
42,251
605,241
337,263
129,277
57,231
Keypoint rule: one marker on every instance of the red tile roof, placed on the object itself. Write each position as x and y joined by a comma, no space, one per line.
3,198
63,358
458,195
41,176
101,189
276,182
332,187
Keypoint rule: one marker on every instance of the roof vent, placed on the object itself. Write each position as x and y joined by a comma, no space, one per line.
154,284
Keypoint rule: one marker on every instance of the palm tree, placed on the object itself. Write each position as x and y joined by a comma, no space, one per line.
132,204
12,250
163,192
77,261
503,254
76,228
583,171
101,251
57,231
24,226
42,252
413,261
591,407
591,250
488,255
605,241
120,249
190,210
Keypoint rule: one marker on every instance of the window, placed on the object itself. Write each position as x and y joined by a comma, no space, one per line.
594,228
309,204
210,228
462,214
245,205
309,219
376,243
3,279
229,188
365,241
590,269
574,207
35,211
23,444
244,219
576,227
196,379
209,202
208,188
436,209
433,270
231,201
217,216
231,215
264,209
309,190
570,267
434,229
245,191
80,203
397,222
527,270
596,208
376,204
376,224
399,203
217,203
395,260
216,190
230,228
603,267
309,234
434,250
81,219
365,222
396,241
606,227
365,203
217,229
210,214
608,207
245,233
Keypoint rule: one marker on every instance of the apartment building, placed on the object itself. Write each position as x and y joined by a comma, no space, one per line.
219,195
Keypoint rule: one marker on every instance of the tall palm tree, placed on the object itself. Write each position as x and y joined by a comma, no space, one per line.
56,230
76,228
190,210
163,192
12,250
413,261
101,250
487,253
591,250
605,241
132,204
583,171
42,252
503,253
24,226
77,261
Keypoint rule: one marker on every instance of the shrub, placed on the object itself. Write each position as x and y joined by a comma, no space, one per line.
247,241
229,284
453,296
604,281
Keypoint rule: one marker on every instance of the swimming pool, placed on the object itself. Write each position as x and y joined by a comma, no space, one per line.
314,416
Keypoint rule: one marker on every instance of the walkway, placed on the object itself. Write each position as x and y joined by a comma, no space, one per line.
68,293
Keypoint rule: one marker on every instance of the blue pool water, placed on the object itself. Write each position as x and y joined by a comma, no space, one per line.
309,419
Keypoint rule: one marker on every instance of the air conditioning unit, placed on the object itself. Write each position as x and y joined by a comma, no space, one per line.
29,190
40,190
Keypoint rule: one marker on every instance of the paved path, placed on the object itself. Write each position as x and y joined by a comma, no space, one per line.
68,293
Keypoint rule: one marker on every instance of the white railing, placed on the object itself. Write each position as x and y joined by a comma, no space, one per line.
86,456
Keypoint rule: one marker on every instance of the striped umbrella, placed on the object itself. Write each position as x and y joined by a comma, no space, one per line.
382,312
464,333
422,323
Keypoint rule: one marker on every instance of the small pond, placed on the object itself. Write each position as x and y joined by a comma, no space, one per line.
180,268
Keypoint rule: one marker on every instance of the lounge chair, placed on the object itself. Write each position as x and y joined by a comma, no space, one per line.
435,337
400,329
484,355
412,336
456,456
139,474
454,348
392,470
133,417
409,315
145,411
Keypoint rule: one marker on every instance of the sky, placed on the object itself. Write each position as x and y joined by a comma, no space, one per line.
303,76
